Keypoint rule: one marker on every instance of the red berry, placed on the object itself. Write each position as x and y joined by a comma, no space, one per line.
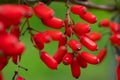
48,60
95,36
75,68
28,11
104,23
15,31
102,53
15,59
42,11
20,78
67,59
115,27
90,58
54,22
81,28
62,41
89,17
54,34
11,14
118,59
58,56
1,76
118,72
115,38
88,43
42,37
82,62
3,62
74,45
78,9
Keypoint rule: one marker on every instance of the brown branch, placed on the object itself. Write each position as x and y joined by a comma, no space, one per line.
90,5
94,6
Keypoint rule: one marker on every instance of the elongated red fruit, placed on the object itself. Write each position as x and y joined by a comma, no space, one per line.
54,22
62,41
42,11
48,60
15,30
40,36
78,9
88,43
75,68
81,28
1,76
118,72
67,59
20,78
54,34
3,62
95,36
104,23
90,58
15,59
89,17
115,38
28,11
115,27
38,42
58,56
102,53
74,45
82,62
11,14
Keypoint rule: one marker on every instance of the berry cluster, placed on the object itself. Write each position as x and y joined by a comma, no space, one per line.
76,58
11,46
114,39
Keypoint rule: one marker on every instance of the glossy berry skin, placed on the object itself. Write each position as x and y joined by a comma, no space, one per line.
62,41
88,43
59,54
94,36
15,30
81,61
54,34
11,14
74,45
78,9
15,59
114,27
90,58
101,54
118,72
81,28
10,45
115,38
89,17
3,62
54,22
2,28
40,36
20,78
75,68
1,76
42,11
104,23
48,60
28,11
38,42
67,59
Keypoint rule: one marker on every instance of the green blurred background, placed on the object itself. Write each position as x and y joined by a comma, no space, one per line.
38,71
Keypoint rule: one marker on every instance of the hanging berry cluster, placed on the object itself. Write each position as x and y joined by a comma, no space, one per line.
75,59
11,17
114,33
